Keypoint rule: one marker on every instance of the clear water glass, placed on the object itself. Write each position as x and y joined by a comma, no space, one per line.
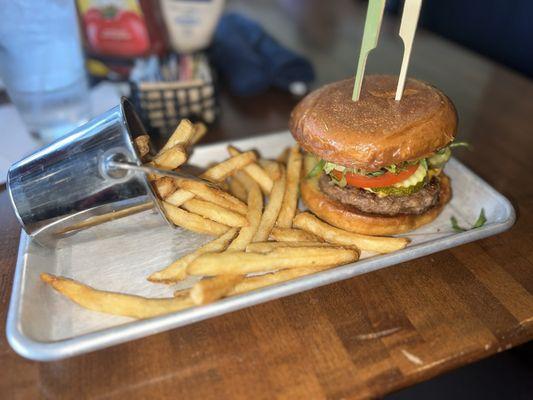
42,65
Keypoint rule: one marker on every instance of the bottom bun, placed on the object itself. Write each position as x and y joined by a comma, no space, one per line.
350,219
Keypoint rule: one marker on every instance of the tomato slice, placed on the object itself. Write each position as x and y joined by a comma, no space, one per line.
387,179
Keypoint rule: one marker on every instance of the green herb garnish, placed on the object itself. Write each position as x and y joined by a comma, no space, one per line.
317,169
460,144
455,225
481,220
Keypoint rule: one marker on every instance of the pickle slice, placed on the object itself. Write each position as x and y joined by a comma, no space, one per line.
398,191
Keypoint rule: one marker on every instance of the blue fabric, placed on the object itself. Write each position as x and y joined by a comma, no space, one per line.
251,61
500,29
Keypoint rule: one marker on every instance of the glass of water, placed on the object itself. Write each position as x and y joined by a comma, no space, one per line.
42,66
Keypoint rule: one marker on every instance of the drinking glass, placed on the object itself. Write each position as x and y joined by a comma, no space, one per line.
42,65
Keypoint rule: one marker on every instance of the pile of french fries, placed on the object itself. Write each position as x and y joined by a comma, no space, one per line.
250,205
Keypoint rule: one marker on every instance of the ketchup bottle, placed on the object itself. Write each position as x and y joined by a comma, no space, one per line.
123,29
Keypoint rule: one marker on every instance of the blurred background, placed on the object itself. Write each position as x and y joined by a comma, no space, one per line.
240,64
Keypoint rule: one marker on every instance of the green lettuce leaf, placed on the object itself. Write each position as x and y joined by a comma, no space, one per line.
481,220
317,169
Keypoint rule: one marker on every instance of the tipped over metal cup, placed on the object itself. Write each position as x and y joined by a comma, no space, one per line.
67,186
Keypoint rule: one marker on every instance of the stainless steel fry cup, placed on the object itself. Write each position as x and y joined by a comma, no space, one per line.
65,187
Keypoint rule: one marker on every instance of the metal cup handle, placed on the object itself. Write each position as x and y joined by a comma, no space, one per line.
115,167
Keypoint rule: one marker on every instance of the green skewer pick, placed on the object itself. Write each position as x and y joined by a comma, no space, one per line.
374,15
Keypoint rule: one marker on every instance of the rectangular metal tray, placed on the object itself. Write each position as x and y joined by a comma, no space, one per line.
119,255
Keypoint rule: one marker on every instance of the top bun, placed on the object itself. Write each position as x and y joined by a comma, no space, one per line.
375,131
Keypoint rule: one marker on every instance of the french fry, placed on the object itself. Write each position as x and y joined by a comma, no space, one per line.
255,209
213,195
290,198
209,290
378,244
246,181
255,172
267,247
284,156
236,262
172,158
182,135
246,234
257,282
272,168
193,222
260,281
224,186
215,213
226,168
179,197
142,144
292,235
151,177
199,131
237,189
268,219
164,186
183,293
115,303
177,271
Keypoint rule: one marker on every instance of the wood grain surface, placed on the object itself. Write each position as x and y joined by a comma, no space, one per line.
363,337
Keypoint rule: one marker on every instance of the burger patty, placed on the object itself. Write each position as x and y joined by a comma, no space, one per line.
368,202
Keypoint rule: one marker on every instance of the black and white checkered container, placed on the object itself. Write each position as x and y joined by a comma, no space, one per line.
162,104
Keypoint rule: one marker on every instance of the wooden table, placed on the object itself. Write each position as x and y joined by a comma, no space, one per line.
363,337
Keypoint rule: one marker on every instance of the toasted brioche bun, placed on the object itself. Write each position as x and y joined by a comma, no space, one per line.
350,219
375,131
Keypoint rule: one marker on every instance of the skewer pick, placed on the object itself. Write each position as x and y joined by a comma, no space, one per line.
411,12
374,15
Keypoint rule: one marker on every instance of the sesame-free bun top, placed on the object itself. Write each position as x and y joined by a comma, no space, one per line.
377,130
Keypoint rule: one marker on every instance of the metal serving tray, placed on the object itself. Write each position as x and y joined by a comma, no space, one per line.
119,255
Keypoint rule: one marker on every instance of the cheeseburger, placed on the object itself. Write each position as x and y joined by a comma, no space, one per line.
374,166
